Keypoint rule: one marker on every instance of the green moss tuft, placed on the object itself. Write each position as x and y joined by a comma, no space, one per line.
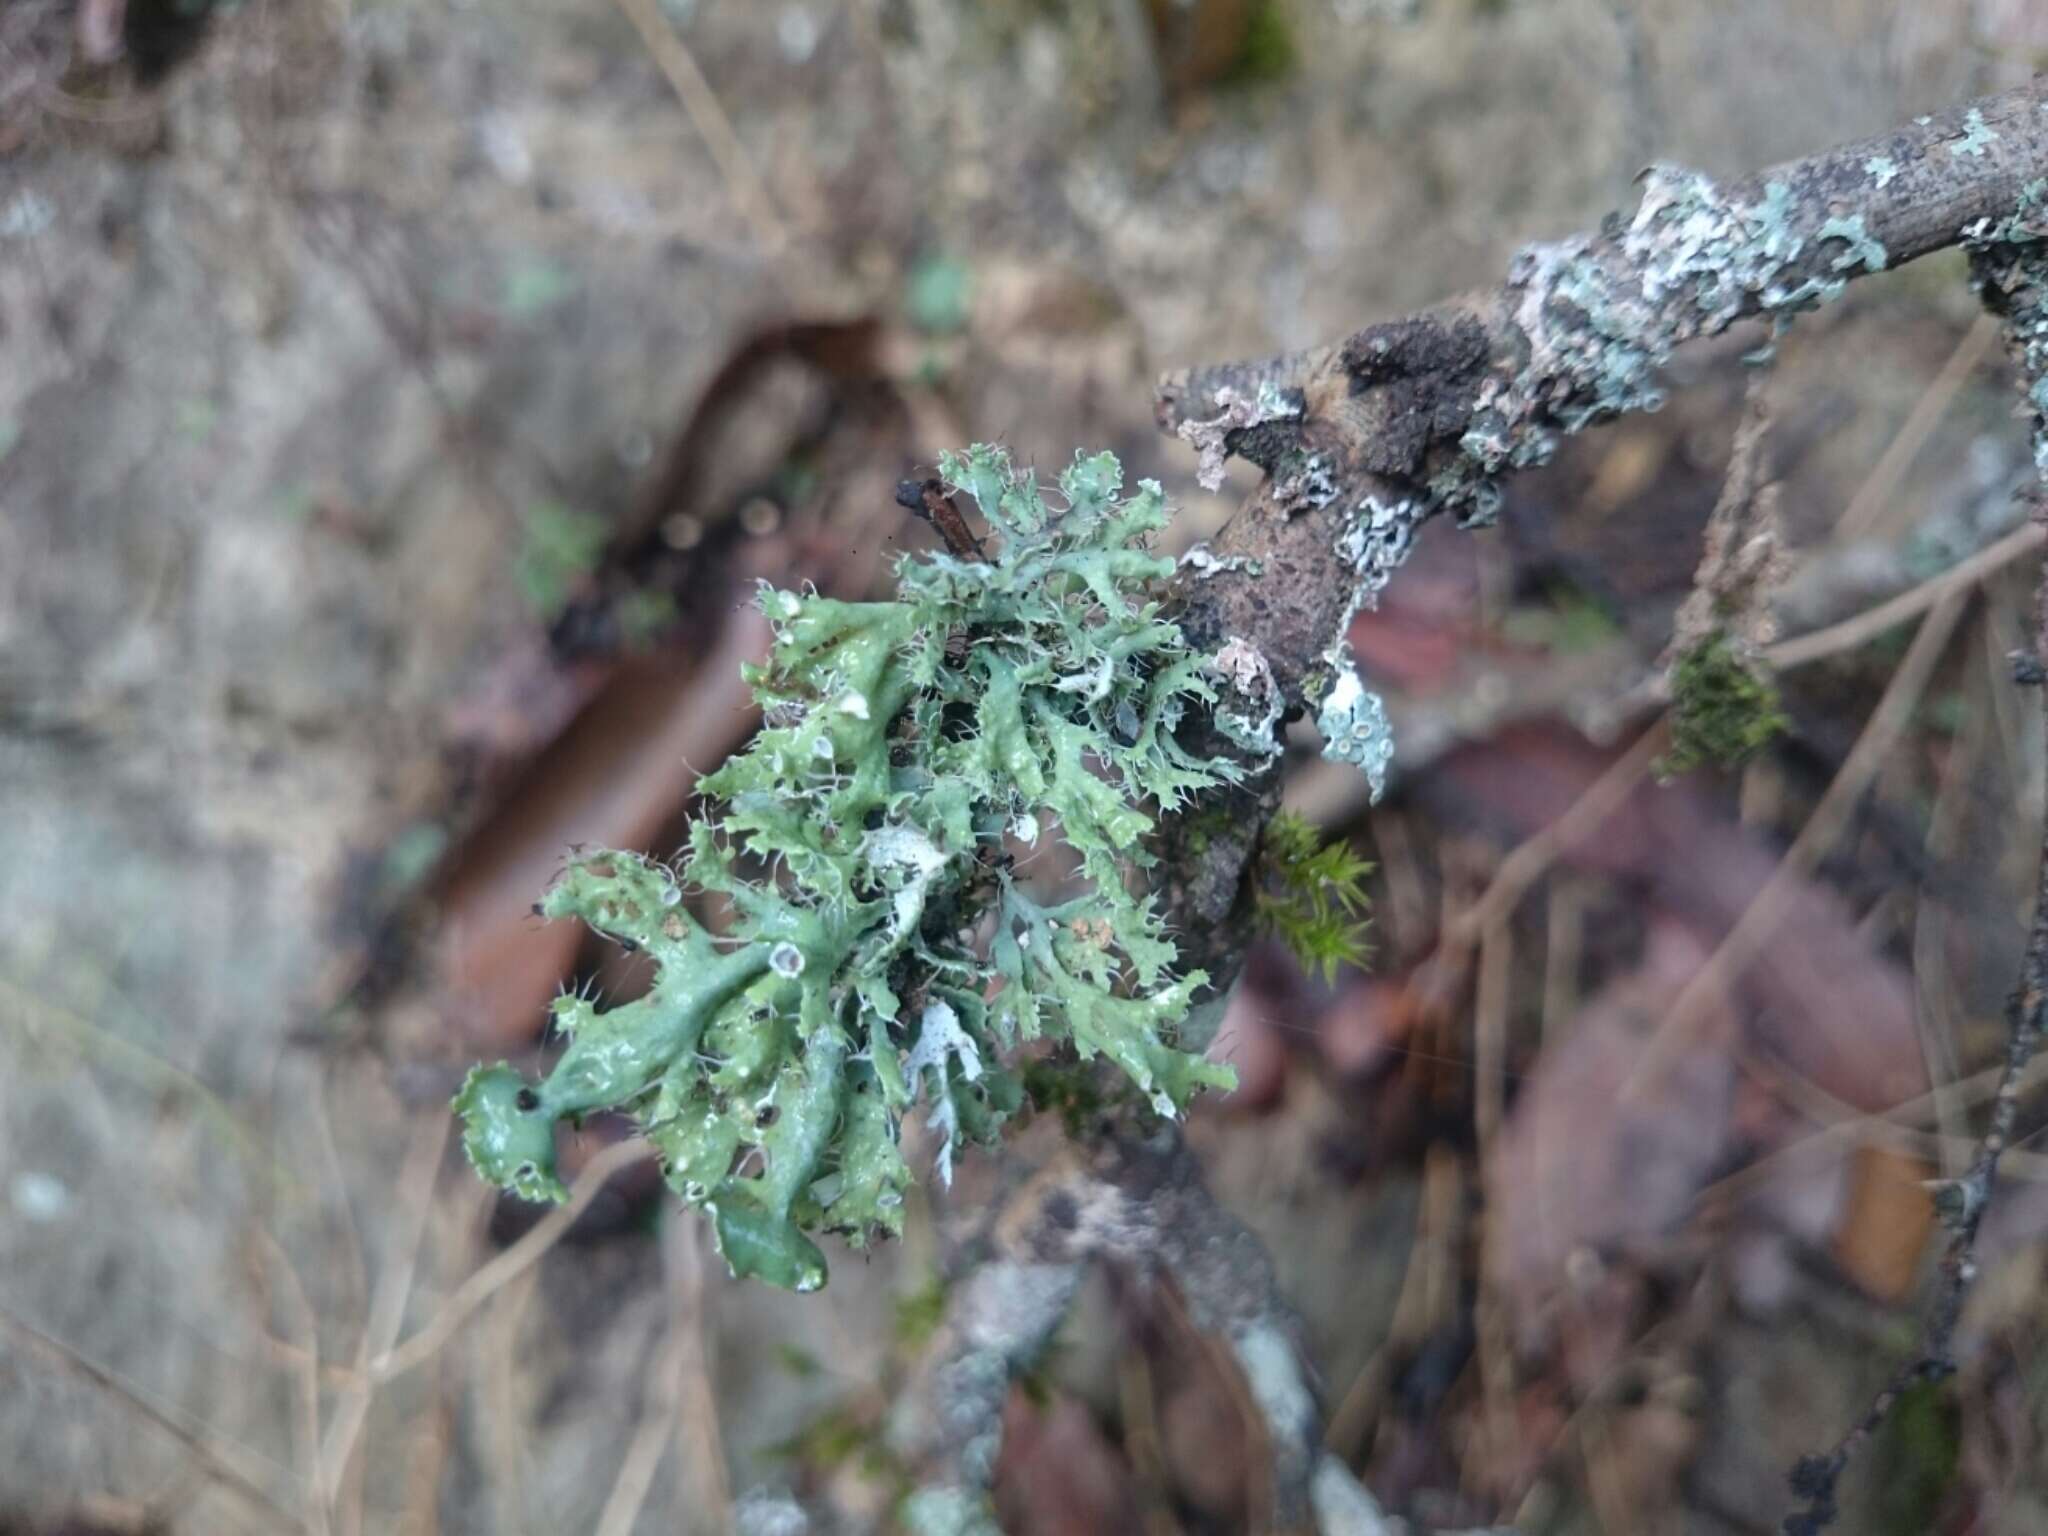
1723,711
1312,896
1922,1455
1268,52
919,1314
559,546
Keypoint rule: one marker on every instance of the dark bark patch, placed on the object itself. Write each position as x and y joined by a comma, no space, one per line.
1425,373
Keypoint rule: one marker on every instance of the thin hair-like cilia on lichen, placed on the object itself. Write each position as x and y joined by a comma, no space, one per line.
880,952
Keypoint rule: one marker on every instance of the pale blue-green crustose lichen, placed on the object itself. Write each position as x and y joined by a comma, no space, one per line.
881,951
1352,718
1601,317
1978,136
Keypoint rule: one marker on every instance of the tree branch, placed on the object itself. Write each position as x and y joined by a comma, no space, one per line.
1365,439
1138,1202
2009,269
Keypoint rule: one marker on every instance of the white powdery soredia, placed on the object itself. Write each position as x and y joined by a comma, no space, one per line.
939,1040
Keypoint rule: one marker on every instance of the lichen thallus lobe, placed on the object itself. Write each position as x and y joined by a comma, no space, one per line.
880,949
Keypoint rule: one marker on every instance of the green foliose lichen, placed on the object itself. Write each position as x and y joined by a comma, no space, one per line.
1723,710
879,953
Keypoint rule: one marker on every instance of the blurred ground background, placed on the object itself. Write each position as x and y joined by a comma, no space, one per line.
398,400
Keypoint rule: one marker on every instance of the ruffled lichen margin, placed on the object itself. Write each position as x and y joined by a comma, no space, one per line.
883,955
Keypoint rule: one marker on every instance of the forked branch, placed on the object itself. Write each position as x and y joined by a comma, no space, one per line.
1364,439
1367,437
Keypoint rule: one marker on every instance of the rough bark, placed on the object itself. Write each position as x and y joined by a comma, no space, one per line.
1431,409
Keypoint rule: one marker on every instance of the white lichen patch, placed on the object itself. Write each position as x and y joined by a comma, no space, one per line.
1273,1372
1692,260
1353,719
1860,248
940,1042
1235,412
1978,136
1304,483
1353,722
1250,681
948,1511
1881,169
1375,543
2027,223
1093,682
1242,665
905,849
940,1039
1342,1506
1205,564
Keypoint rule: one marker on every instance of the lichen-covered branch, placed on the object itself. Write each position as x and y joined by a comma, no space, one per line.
999,1319
2009,269
1365,439
1137,1202
1361,443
